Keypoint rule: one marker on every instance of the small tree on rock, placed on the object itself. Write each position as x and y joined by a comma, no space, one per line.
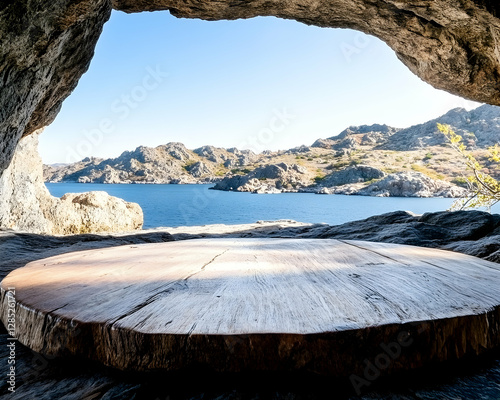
483,189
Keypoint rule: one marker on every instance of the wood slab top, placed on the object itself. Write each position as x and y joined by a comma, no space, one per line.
112,299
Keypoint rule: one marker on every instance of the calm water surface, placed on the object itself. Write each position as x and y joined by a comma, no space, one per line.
177,205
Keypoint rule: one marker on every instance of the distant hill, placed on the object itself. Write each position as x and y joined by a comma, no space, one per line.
480,128
169,163
418,149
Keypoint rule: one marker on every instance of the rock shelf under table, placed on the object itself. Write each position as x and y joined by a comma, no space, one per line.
334,307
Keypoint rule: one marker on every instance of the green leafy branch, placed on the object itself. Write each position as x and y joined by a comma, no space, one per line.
483,189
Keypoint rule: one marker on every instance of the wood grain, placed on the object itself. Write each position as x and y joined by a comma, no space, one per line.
326,306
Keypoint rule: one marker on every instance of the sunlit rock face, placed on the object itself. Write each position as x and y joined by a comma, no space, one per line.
26,204
45,47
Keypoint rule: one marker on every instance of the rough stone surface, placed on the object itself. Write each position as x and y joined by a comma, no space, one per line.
412,184
22,190
352,174
369,181
273,178
26,204
45,47
93,212
469,231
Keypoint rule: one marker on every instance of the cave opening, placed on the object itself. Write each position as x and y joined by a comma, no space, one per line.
257,85
320,77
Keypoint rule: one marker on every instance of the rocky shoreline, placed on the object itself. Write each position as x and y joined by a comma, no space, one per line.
361,180
367,160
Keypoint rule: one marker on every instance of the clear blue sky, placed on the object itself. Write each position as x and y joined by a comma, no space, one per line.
226,82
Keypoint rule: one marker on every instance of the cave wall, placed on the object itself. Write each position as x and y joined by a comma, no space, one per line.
26,204
45,47
22,190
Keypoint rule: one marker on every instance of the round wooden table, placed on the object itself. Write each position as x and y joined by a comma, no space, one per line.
328,306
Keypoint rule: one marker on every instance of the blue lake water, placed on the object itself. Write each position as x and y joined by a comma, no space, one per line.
177,205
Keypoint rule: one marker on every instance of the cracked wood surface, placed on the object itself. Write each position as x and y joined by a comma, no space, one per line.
252,304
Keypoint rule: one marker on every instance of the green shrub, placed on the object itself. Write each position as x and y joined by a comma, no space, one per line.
460,181
338,165
484,190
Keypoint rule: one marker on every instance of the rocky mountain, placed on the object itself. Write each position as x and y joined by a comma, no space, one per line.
478,127
169,163
373,159
356,136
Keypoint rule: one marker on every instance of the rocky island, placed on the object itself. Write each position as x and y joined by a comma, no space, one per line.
368,160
